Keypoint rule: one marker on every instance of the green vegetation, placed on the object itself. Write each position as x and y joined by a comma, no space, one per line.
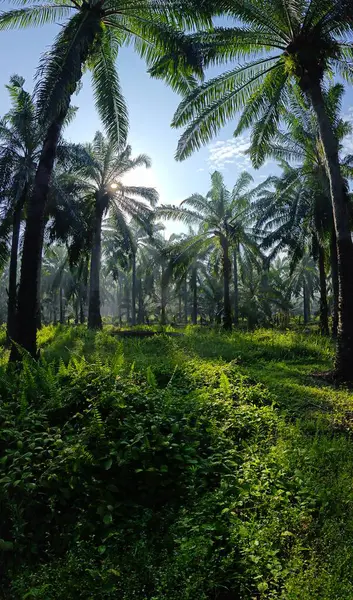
173,462
208,465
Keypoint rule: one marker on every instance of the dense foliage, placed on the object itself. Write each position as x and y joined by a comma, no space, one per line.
178,462
164,468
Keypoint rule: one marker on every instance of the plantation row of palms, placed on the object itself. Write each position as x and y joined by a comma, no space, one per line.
272,51
105,247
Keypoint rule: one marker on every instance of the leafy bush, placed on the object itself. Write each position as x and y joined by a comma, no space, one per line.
151,469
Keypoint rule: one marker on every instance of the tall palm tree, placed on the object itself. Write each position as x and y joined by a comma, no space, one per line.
302,196
304,282
186,266
20,138
91,36
106,193
287,43
147,258
218,216
292,216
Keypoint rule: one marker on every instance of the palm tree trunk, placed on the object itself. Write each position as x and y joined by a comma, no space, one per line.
227,309
344,350
127,297
54,308
12,299
26,334
94,305
119,299
27,314
163,297
140,303
180,310
185,301
335,285
194,299
39,296
236,288
133,291
306,304
76,309
61,306
82,311
323,293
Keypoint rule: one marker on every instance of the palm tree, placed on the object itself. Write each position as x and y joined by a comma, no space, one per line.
219,217
147,260
186,266
91,36
106,193
292,216
302,196
20,139
287,43
304,281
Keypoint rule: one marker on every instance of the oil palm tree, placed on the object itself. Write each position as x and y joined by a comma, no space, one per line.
221,216
20,139
288,43
291,216
106,193
90,37
186,266
301,197
147,250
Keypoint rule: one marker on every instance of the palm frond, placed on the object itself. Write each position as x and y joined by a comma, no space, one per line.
110,102
33,16
61,67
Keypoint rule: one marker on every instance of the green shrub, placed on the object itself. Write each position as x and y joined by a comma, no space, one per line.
157,469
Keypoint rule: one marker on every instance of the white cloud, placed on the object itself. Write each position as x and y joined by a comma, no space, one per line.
200,170
226,152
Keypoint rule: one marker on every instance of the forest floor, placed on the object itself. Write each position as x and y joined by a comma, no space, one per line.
194,467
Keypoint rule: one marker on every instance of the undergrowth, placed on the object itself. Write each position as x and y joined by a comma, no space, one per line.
207,466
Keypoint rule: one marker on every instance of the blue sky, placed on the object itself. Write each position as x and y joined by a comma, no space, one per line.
151,106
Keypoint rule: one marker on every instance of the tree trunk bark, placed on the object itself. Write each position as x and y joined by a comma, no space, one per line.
127,297
236,288
344,350
180,310
76,309
133,291
82,311
194,298
61,306
27,314
306,304
335,285
54,308
227,309
323,294
94,306
163,297
12,299
185,301
140,303
119,298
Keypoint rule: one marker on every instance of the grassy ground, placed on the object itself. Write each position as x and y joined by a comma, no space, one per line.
190,468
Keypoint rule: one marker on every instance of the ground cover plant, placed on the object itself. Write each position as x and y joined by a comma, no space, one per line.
208,465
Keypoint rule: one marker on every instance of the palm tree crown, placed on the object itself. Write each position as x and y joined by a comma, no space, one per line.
221,217
285,41
106,192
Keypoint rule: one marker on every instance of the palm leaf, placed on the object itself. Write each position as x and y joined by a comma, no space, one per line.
61,68
110,102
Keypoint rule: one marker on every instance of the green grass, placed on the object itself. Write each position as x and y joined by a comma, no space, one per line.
208,466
